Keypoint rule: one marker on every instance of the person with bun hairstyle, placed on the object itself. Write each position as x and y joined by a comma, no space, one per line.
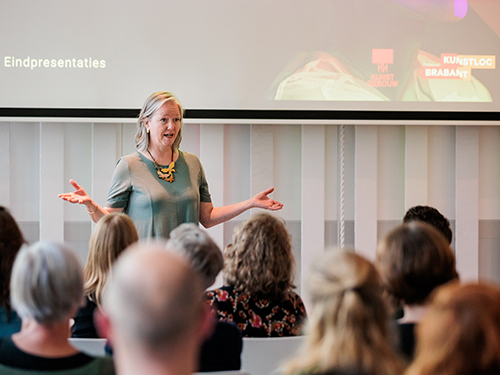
347,331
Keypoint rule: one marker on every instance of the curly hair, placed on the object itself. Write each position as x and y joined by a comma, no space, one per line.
413,260
260,259
11,240
460,332
348,328
431,216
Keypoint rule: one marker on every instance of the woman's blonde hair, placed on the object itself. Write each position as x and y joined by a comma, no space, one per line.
260,259
152,104
460,332
348,326
112,234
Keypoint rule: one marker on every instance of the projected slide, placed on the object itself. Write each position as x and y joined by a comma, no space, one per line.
389,55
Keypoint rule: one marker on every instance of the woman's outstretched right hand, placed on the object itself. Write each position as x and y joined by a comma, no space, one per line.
78,196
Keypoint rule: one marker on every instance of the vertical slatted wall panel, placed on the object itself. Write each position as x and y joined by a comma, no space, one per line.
365,194
416,165
261,158
5,164
467,202
212,157
313,199
104,157
51,181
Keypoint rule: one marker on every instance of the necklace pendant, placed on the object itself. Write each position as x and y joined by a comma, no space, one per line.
167,174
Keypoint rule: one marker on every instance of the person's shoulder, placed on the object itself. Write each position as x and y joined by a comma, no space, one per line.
101,366
189,157
221,294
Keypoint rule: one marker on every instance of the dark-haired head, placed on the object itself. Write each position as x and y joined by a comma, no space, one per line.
11,240
431,216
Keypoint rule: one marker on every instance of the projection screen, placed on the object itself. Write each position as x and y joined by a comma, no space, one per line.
273,58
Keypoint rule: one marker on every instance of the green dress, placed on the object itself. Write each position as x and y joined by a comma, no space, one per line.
157,206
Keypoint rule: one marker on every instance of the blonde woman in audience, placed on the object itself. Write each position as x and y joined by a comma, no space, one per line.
46,291
413,260
259,269
112,234
460,332
348,331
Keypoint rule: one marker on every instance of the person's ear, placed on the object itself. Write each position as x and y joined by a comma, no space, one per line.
103,325
145,121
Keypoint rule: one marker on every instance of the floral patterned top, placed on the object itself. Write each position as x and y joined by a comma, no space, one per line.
259,317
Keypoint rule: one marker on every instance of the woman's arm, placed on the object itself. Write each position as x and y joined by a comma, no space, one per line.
210,215
80,196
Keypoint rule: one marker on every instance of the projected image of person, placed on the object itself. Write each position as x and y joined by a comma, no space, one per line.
378,53
159,186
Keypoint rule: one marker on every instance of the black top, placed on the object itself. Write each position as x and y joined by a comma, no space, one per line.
84,321
11,355
258,316
406,339
222,351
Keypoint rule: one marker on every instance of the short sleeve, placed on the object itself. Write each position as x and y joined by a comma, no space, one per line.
121,186
204,191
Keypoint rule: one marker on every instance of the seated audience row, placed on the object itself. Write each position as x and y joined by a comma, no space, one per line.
157,318
46,291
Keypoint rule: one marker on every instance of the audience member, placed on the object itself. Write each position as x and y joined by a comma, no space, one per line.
47,289
413,260
112,234
259,269
11,240
431,216
153,313
460,332
348,331
222,350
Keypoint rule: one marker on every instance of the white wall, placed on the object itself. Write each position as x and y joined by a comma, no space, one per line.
388,168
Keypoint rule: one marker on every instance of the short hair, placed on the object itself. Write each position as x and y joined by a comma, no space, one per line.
46,283
460,332
431,216
414,259
11,240
151,105
260,259
202,252
112,234
348,327
153,297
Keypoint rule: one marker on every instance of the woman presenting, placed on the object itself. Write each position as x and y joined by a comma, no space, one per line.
160,186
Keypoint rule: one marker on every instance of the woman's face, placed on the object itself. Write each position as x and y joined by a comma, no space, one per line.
164,125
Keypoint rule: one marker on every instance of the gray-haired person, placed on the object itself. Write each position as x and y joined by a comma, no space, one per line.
222,350
46,291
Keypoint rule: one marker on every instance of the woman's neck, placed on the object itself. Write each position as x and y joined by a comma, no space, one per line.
49,340
412,313
162,155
